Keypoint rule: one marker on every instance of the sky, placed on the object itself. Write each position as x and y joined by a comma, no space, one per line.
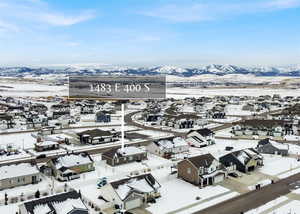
149,32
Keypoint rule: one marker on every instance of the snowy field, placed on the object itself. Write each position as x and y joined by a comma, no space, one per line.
32,90
37,90
178,93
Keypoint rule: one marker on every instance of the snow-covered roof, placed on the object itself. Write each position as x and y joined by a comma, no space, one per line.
243,157
46,143
130,150
143,184
41,209
68,205
172,143
72,160
280,146
19,170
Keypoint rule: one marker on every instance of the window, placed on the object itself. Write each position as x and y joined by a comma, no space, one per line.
189,171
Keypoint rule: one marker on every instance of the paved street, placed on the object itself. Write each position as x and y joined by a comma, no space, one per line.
253,199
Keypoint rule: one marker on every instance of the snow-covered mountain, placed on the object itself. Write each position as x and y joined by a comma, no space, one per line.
219,70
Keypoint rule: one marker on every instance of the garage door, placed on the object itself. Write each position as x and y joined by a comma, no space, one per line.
219,178
133,204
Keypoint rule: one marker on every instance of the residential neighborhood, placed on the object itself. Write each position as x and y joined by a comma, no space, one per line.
75,157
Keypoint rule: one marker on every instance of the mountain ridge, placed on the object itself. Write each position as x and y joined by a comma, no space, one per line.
219,70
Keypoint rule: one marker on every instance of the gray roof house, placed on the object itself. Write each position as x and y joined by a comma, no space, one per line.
268,146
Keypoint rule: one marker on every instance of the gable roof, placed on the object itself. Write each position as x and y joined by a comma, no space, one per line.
70,200
95,133
128,151
22,169
275,144
71,160
202,160
204,132
144,183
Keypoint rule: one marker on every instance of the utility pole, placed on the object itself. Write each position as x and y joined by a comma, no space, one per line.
122,126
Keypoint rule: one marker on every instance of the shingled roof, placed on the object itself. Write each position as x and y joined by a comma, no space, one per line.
202,160
50,201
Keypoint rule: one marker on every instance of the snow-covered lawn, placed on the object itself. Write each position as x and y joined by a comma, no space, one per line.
289,208
18,140
290,173
292,137
22,154
275,164
177,194
9,209
209,203
44,185
269,205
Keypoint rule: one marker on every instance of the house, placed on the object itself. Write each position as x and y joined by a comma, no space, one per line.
6,121
87,109
117,156
152,114
103,116
133,192
217,112
178,122
35,120
59,110
46,146
290,113
200,137
97,136
167,147
18,175
246,160
201,170
268,146
62,203
40,108
263,127
68,167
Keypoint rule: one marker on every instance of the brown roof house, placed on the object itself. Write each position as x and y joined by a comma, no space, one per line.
117,156
201,170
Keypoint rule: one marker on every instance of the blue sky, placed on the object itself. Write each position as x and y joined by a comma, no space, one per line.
150,32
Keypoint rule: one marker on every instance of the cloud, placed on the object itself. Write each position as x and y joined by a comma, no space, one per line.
283,4
72,44
149,38
56,19
197,12
21,14
4,27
